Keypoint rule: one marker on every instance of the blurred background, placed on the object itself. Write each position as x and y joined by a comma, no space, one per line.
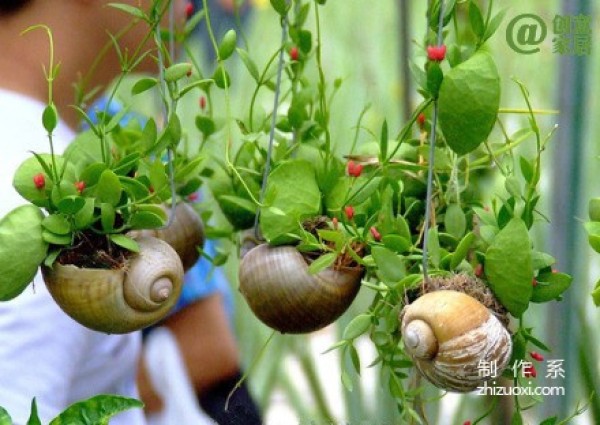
367,44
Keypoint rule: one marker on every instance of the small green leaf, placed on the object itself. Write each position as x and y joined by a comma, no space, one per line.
57,224
71,204
96,410
34,419
594,209
347,381
321,263
383,142
513,186
146,220
108,189
596,294
468,102
206,125
177,71
526,169
396,243
494,24
550,286
22,249
52,256
434,247
476,20
221,77
54,239
280,6
133,11
5,418
357,326
107,217
391,266
508,266
541,260
593,231
134,188
125,242
227,46
461,250
455,221
249,63
435,77
50,118
143,84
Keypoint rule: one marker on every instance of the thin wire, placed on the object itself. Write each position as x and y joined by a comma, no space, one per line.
430,165
273,123
169,149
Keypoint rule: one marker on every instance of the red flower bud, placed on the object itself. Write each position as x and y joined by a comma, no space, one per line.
479,270
334,222
354,169
436,53
534,282
536,356
189,9
467,423
39,180
421,120
529,371
375,233
80,186
151,189
349,211
294,53
202,102
193,197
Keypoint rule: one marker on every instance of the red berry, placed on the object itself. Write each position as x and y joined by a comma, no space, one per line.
467,423
534,282
354,169
421,120
536,356
189,9
80,186
375,233
436,53
479,270
39,180
294,53
193,197
202,102
349,211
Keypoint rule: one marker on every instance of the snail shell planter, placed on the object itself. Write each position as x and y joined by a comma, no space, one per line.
281,292
451,336
134,296
185,234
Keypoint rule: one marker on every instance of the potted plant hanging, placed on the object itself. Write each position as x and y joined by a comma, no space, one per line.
83,206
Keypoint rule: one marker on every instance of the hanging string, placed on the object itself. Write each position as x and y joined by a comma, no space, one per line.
430,165
284,24
161,75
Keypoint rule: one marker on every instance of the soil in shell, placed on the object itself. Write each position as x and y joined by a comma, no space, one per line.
94,251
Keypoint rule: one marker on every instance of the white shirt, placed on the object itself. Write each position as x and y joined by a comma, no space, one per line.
43,352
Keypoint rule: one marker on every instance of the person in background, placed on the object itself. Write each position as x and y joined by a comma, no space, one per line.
44,353
201,321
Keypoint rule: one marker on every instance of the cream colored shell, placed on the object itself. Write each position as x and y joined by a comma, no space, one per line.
185,234
454,340
282,293
121,300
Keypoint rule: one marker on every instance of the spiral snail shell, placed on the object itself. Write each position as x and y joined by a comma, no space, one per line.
120,300
185,234
451,337
282,293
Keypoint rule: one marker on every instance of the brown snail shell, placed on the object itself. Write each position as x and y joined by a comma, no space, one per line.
121,300
280,291
185,234
451,337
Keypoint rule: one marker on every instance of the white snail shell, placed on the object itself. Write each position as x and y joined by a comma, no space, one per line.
120,300
451,337
282,293
185,234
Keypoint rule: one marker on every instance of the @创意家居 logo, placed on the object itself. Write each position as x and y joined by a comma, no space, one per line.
571,34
